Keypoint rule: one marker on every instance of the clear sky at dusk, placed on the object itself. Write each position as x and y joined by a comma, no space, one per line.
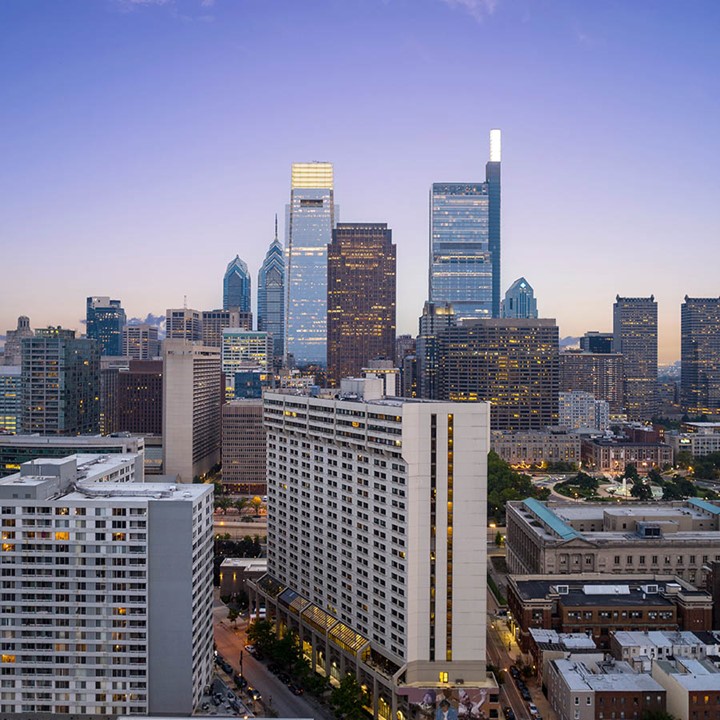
145,143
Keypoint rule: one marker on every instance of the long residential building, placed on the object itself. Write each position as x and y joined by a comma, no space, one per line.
377,553
536,447
88,639
678,538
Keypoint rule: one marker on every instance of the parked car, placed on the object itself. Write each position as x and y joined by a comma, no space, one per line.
515,672
254,694
240,681
525,694
508,712
532,709
295,689
284,678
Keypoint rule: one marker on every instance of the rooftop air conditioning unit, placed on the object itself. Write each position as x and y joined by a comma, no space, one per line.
563,589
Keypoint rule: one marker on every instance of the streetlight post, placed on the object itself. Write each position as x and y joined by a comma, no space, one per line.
241,659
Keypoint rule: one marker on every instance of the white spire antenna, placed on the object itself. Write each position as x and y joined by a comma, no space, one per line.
495,145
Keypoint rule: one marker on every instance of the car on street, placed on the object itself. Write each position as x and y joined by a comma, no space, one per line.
525,694
284,678
295,689
508,712
532,709
254,694
515,672
240,681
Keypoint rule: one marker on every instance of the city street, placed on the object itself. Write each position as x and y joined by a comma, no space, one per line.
230,643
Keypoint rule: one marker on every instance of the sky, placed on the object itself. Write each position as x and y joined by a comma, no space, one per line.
145,143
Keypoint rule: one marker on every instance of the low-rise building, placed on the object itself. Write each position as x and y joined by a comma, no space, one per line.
536,448
235,572
642,648
693,687
696,438
611,455
548,645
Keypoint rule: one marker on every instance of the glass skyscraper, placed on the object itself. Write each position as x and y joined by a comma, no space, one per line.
105,322
700,354
465,242
519,301
271,295
236,286
310,221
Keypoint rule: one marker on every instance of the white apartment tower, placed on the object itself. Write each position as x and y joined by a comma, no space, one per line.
377,540
192,398
106,591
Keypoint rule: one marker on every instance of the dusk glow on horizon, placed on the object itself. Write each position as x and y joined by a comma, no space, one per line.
146,143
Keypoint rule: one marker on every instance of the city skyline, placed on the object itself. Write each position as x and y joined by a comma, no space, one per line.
163,125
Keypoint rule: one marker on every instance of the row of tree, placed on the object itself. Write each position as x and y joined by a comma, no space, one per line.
506,484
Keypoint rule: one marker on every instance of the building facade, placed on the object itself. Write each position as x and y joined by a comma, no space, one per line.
596,342
133,398
215,321
435,319
600,374
60,383
579,409
192,398
140,342
513,364
700,356
95,643
536,448
635,335
677,538
183,324
271,295
243,447
519,301
611,455
465,242
236,286
365,500
105,321
244,350
10,398
361,298
310,221
12,354
696,438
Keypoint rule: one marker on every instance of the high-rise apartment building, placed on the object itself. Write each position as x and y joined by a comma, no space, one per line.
133,398
310,220
435,319
13,341
10,398
105,322
519,301
378,549
183,324
465,242
215,321
271,295
192,399
60,383
600,374
700,355
244,350
512,364
360,299
236,286
580,410
597,342
243,447
91,639
635,335
140,342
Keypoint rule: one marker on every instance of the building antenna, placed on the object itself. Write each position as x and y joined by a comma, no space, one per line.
185,302
276,237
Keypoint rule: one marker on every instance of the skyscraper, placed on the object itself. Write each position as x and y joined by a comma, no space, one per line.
140,342
215,321
599,373
271,295
512,364
635,336
597,342
244,350
105,322
700,355
60,383
465,242
311,218
10,398
13,341
361,298
436,317
132,399
407,594
519,301
183,324
236,286
192,399
243,447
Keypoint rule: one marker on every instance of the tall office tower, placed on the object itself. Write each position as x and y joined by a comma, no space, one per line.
192,399
635,335
236,286
700,355
360,299
597,342
600,374
519,301
580,410
105,322
465,242
132,399
513,364
122,625
310,221
183,324
271,295
243,447
10,398
215,321
435,319
60,383
402,603
404,346
140,342
244,350
13,341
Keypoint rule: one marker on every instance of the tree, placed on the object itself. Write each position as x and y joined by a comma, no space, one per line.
256,502
631,472
261,633
240,504
233,614
640,490
498,538
286,652
655,476
348,700
684,459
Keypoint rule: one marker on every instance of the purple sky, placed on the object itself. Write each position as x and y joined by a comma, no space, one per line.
144,143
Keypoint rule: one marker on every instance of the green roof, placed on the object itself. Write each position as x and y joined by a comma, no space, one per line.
549,518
